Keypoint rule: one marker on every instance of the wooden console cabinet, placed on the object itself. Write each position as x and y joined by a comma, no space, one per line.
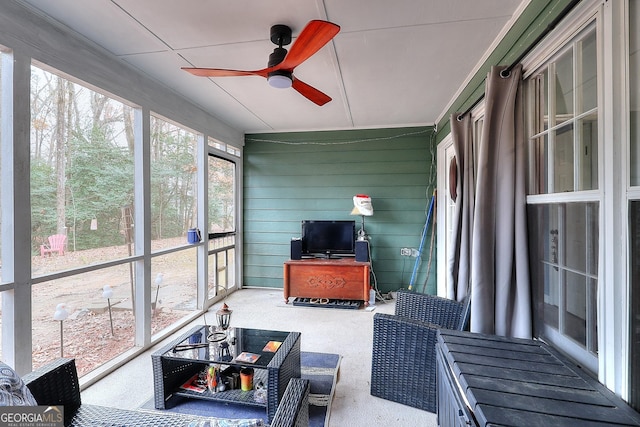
340,278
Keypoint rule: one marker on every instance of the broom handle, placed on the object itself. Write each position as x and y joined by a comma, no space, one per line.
424,234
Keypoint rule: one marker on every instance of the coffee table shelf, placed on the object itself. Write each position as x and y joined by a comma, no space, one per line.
230,396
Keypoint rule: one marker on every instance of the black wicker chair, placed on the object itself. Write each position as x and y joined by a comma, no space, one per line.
403,367
57,384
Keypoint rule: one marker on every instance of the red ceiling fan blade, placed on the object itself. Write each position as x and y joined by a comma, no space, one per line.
312,38
310,92
221,72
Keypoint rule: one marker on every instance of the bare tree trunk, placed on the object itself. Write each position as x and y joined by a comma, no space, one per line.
193,214
41,106
70,126
127,114
156,155
98,102
60,164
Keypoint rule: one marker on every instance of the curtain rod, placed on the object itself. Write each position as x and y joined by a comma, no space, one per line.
505,73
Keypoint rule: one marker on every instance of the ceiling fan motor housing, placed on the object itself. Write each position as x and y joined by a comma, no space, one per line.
277,56
281,35
282,79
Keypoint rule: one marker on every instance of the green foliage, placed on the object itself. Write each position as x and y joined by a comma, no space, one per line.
221,195
43,201
82,164
173,179
100,183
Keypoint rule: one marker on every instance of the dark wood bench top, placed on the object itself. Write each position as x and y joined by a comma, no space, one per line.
513,382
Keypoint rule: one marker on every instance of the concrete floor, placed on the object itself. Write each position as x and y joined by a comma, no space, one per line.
345,332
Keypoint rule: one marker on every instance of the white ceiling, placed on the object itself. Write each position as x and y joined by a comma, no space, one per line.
393,63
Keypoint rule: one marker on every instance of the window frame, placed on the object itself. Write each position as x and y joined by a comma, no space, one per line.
17,280
613,290
568,41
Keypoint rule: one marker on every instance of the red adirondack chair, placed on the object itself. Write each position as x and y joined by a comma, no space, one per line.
56,244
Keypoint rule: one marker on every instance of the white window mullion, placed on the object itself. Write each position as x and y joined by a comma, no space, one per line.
613,291
591,330
202,159
142,230
562,276
16,215
577,109
551,139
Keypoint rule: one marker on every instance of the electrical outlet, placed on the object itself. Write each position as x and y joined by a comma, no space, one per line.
405,251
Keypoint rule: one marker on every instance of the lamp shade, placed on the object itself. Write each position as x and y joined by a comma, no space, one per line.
279,81
61,312
107,292
362,205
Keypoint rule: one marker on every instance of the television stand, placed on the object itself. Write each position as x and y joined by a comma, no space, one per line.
332,278
329,255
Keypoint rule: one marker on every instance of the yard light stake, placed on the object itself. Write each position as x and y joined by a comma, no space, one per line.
61,314
107,293
158,282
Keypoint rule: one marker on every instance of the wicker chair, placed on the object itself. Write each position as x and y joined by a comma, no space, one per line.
57,384
403,367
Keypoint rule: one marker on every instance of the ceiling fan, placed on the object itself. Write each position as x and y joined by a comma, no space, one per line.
279,71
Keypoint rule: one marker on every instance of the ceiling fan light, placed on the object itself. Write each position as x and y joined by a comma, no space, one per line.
280,81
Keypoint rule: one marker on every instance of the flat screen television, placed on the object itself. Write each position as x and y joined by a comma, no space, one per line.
322,238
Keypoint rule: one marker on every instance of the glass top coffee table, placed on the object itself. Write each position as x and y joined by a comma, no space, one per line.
278,360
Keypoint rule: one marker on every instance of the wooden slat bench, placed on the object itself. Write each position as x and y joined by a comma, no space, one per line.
486,380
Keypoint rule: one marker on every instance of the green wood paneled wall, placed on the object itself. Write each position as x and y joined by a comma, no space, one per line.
290,177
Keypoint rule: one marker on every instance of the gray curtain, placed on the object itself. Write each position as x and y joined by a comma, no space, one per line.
500,289
459,267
